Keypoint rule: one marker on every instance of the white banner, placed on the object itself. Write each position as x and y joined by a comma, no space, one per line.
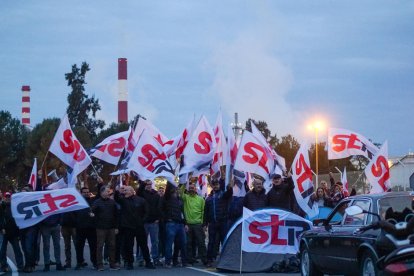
67,148
272,231
253,156
30,208
200,150
343,143
33,176
149,160
302,177
110,149
378,171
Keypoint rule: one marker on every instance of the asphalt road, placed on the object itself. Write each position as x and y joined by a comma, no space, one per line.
197,269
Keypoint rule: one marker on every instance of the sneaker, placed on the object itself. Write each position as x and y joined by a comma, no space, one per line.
100,268
114,267
157,263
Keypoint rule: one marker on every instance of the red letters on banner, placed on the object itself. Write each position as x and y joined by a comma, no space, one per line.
252,157
303,171
152,155
380,169
68,200
69,146
204,138
114,148
342,142
263,236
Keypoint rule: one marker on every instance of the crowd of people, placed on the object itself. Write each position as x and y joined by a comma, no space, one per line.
176,219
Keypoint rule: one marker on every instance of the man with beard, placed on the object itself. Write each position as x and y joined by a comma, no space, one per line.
134,211
256,198
194,216
85,230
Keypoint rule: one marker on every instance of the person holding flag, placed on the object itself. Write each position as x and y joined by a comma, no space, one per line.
281,194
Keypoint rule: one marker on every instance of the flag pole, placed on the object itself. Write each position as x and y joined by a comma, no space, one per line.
44,160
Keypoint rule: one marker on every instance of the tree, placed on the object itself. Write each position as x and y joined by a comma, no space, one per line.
13,137
82,108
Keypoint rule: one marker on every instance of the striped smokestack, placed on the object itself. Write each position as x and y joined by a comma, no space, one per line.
26,105
122,91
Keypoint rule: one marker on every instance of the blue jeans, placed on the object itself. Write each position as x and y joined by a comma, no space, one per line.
28,237
174,230
54,232
152,229
14,241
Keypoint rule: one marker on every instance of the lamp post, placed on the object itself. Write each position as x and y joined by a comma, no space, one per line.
316,126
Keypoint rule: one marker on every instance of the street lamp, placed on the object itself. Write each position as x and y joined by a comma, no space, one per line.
316,126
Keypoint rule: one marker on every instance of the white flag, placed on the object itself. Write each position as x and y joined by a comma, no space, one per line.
30,208
200,150
344,181
33,176
378,171
220,154
302,177
67,148
343,143
111,148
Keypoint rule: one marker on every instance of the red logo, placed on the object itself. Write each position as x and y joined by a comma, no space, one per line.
252,156
205,139
303,172
151,154
115,147
381,170
70,145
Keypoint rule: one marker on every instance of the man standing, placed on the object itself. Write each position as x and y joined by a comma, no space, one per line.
104,210
256,198
85,230
194,216
134,212
281,194
215,217
152,221
50,228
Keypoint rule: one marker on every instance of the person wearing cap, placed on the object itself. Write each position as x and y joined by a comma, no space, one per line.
255,198
216,217
11,235
281,194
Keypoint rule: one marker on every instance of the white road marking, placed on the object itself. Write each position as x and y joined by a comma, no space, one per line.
206,271
13,267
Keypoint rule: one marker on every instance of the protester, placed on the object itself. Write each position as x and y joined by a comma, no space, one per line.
162,233
172,208
85,230
10,233
216,217
69,235
320,197
152,221
50,228
256,198
105,212
339,183
336,196
281,194
194,216
134,213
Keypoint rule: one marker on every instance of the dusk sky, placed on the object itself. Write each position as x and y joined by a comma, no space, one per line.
284,62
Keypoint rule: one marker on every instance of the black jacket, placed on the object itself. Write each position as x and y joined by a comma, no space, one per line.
105,213
9,223
134,211
281,196
153,200
83,219
217,204
254,200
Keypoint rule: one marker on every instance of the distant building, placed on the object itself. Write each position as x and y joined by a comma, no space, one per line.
402,172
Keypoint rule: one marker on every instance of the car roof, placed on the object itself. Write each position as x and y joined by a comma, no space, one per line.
381,195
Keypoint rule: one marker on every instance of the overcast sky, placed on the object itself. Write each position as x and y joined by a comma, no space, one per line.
284,62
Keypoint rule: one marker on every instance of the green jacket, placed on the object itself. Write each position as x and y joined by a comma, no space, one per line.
193,207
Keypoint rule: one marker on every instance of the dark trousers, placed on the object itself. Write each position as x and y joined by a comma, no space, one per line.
161,241
14,241
68,234
107,237
28,239
196,239
83,234
216,234
141,236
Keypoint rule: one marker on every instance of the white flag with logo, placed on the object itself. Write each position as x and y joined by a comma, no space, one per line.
253,156
199,152
378,171
344,181
30,208
111,148
343,143
220,154
149,160
67,147
33,176
302,177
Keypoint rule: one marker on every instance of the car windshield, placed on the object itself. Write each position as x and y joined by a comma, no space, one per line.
395,207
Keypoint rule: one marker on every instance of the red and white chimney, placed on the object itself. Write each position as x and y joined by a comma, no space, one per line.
26,105
122,91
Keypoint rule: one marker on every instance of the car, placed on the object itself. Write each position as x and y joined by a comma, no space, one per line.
336,246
